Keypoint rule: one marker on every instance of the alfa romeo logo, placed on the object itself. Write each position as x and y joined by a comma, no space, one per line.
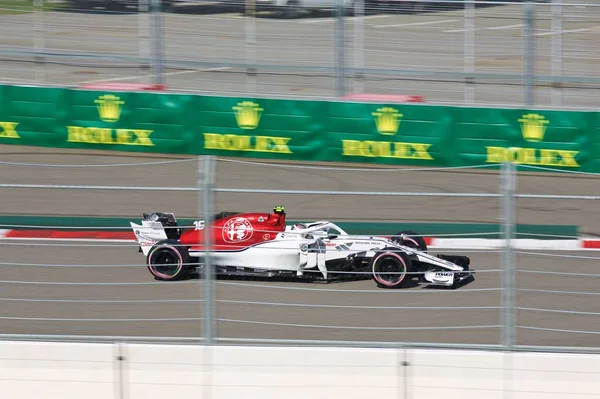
237,230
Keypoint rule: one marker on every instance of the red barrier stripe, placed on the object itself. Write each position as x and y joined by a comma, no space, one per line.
591,244
98,235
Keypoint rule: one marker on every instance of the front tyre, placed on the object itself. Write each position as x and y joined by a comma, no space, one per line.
390,268
168,260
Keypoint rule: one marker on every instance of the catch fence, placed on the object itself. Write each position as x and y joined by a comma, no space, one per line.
509,53
70,286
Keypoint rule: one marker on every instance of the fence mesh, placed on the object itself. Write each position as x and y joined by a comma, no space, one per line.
463,52
74,285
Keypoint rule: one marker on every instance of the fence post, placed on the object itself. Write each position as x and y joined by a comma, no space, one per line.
38,41
157,41
508,188
250,25
359,46
529,53
144,38
469,51
556,51
340,47
206,179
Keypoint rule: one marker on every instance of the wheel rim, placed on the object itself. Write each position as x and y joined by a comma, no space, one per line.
389,269
386,269
167,263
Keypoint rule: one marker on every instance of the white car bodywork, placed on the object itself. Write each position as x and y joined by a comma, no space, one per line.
303,248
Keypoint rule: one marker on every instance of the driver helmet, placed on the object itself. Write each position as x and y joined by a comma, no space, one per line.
279,210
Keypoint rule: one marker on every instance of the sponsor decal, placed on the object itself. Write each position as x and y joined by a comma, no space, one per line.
237,230
8,130
235,142
247,116
386,149
387,122
533,129
109,110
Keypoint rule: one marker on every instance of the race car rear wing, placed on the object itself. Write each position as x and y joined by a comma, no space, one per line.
148,233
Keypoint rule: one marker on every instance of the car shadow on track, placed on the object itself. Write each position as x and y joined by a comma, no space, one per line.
413,283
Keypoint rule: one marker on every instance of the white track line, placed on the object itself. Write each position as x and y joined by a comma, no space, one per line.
124,78
560,32
502,27
326,20
444,21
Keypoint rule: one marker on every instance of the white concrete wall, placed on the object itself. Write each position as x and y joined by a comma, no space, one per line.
33,370
56,370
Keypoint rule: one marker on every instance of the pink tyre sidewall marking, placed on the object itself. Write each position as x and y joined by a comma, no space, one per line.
162,275
379,279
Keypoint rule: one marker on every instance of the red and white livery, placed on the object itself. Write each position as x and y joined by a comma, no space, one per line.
262,244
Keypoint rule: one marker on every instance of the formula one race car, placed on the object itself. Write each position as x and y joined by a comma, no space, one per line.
261,244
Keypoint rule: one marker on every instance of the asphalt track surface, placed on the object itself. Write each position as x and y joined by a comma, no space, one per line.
103,289
207,48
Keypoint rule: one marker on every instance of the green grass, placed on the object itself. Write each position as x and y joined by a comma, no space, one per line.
14,7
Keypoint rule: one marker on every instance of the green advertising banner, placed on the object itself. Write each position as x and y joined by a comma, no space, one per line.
401,134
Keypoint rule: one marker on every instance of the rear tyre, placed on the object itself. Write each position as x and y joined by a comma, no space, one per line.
168,260
410,239
390,268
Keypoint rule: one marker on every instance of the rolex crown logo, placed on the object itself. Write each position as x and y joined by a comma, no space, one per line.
247,114
109,107
533,127
387,120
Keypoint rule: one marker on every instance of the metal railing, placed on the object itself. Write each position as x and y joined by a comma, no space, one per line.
510,53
